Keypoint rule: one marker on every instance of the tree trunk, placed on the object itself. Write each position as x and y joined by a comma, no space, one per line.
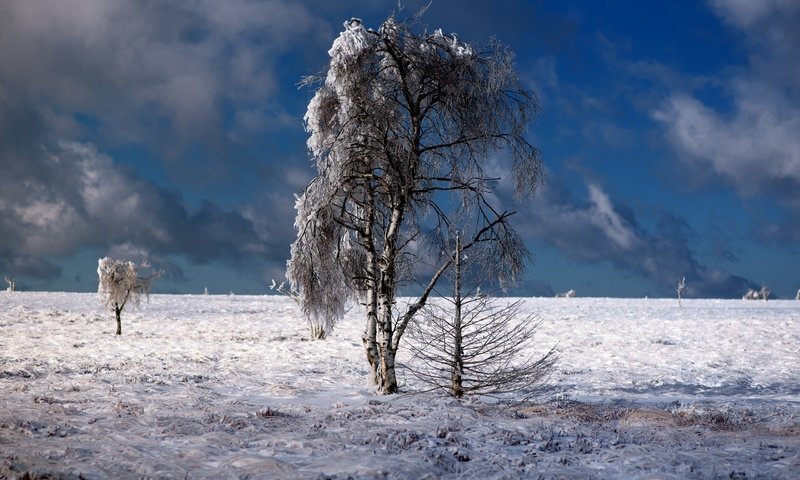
118,313
388,374
370,334
387,378
456,388
386,291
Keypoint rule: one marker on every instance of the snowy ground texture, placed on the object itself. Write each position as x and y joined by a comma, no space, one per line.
231,387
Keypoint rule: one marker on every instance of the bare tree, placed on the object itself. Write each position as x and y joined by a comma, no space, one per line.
680,289
400,128
119,282
12,284
475,344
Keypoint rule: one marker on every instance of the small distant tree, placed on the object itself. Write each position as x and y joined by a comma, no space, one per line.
764,292
568,294
12,284
680,289
320,323
797,297
119,283
476,345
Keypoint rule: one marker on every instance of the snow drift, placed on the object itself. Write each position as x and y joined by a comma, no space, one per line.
231,387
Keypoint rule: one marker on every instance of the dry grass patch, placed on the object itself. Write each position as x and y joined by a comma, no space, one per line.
643,417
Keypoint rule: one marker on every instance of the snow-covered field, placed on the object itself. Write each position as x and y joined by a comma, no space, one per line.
231,387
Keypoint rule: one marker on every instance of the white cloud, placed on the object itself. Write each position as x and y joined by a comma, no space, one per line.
755,143
601,230
754,148
47,223
586,231
745,13
608,220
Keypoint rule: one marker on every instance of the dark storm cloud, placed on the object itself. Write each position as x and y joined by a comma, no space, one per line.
596,230
190,83
69,196
212,233
16,265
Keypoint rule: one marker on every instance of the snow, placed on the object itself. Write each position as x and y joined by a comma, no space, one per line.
231,387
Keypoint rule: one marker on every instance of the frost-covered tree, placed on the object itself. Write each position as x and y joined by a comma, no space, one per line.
764,292
401,128
680,289
475,344
120,283
12,284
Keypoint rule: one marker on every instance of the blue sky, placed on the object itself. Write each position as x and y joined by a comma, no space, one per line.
173,131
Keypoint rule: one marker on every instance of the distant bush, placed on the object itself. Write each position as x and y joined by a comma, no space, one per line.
762,294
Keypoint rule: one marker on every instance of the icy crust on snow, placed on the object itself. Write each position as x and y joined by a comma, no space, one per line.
231,387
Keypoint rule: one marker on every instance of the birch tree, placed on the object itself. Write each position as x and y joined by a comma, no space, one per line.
120,283
401,129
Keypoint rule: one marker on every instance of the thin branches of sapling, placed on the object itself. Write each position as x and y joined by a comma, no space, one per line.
495,357
476,344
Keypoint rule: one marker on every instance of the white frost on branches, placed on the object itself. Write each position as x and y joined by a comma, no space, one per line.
449,43
680,289
117,282
354,42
